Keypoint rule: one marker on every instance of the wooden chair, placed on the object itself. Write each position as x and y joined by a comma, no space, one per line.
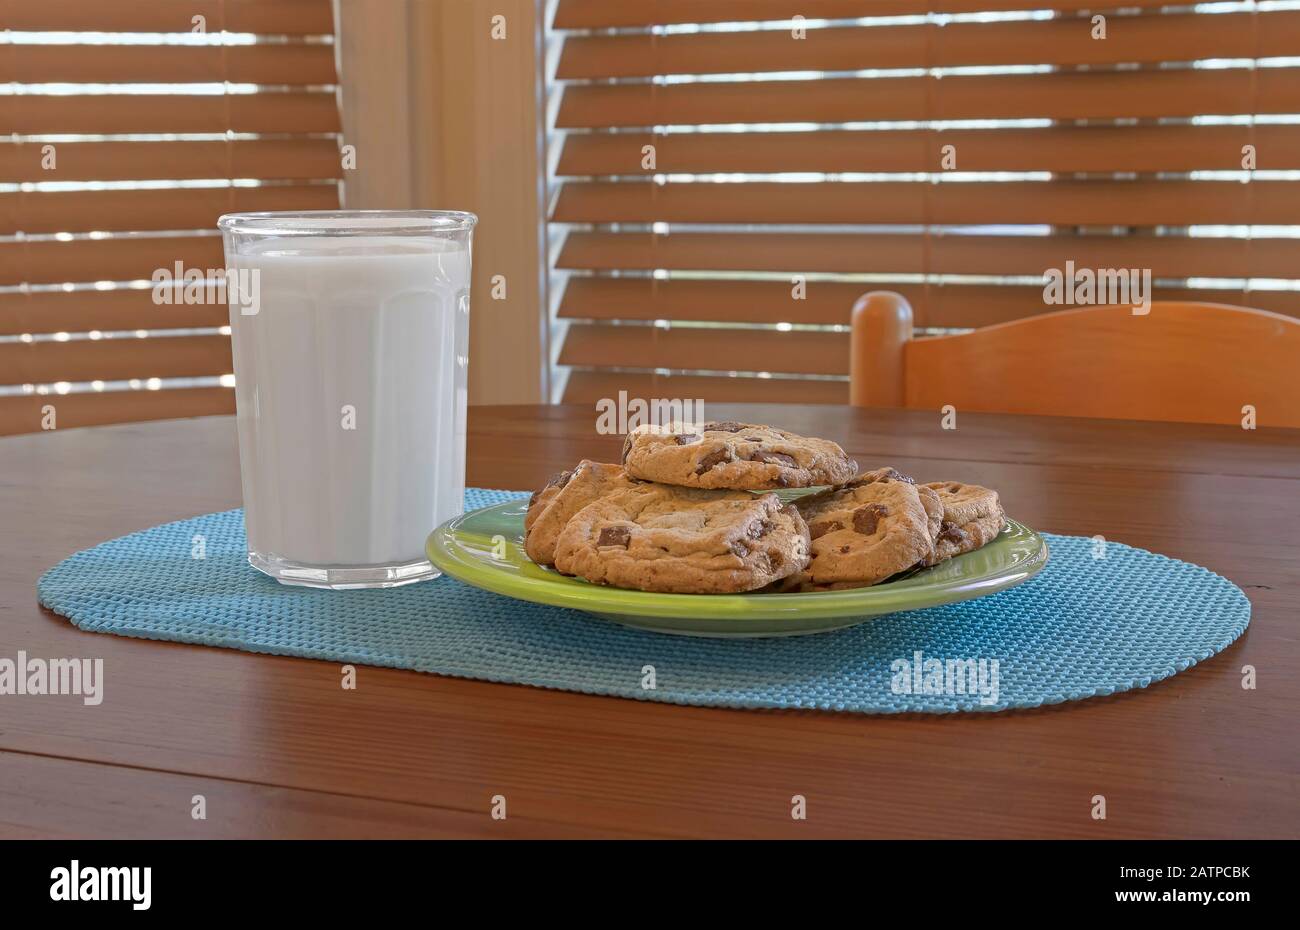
1189,362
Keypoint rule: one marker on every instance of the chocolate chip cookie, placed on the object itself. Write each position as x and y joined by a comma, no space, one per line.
550,508
929,499
737,456
872,528
658,537
972,517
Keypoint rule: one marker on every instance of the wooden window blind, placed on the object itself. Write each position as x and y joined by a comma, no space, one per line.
822,157
126,129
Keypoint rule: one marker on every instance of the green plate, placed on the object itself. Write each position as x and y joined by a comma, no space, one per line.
485,549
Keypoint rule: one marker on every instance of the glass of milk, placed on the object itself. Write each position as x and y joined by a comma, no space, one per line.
351,345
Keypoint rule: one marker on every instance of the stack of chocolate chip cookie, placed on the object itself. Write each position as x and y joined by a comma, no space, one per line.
680,514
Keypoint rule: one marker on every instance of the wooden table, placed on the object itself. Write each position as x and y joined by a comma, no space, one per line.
278,748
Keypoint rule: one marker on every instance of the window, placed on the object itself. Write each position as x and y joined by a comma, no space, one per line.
126,129
732,175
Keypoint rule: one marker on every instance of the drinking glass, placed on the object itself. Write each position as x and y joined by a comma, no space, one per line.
351,347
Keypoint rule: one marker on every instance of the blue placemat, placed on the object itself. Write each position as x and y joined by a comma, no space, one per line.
1085,626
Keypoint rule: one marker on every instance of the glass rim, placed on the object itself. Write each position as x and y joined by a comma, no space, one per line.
348,222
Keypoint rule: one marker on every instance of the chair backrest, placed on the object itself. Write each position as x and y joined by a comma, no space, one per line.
1188,362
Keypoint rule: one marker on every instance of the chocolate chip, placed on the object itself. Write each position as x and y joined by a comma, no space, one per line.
759,528
867,518
614,536
952,532
685,439
774,458
739,548
844,550
712,459
560,480
887,475
726,426
821,529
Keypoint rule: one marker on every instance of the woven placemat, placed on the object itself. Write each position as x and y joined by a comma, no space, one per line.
1084,626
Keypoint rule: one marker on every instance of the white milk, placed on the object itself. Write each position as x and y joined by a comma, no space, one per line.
359,332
